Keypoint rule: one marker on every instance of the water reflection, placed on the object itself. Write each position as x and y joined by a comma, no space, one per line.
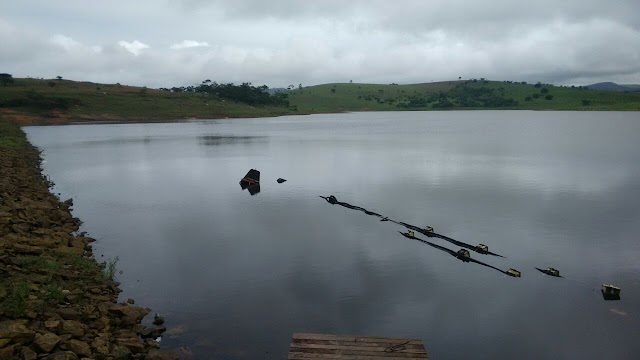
215,140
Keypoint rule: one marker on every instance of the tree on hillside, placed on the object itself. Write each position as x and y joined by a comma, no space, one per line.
544,90
548,97
59,77
6,79
538,84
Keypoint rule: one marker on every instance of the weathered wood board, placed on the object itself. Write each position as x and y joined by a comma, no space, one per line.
328,346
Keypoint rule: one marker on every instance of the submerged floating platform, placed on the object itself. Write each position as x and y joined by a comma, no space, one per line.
329,346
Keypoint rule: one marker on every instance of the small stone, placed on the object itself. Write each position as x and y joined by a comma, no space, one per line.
28,354
131,301
151,344
73,327
100,345
8,352
52,325
31,314
133,344
78,347
46,343
16,331
120,352
62,355
130,315
158,320
153,332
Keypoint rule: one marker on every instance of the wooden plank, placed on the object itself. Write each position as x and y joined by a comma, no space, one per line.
404,349
352,338
311,356
381,354
409,344
329,346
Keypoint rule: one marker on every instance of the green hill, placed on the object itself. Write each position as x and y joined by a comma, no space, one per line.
469,94
59,101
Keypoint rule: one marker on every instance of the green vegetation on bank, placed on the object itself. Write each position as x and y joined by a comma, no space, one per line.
11,137
45,275
463,94
58,100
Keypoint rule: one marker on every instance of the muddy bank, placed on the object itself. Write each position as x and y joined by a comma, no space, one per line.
56,301
66,118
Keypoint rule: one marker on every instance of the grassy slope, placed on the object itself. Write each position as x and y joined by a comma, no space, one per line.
101,101
320,99
346,97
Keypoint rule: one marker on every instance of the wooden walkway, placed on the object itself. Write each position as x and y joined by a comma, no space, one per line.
326,346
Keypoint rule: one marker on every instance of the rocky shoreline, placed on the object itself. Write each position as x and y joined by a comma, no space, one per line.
56,300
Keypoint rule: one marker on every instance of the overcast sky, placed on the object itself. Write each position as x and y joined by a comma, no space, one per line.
280,42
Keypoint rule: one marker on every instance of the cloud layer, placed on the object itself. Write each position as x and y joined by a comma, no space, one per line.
290,42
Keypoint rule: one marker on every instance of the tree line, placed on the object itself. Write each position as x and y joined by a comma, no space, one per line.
244,93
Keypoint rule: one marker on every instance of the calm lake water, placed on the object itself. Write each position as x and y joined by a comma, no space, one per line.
235,275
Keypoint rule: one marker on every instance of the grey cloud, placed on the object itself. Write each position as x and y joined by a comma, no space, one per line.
423,14
289,42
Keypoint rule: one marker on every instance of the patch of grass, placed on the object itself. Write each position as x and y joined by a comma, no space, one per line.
14,304
81,263
11,136
109,269
53,294
41,263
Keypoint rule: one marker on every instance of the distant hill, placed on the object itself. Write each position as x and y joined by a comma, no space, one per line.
457,95
611,86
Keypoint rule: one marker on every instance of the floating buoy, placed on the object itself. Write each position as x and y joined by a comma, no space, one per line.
463,254
610,292
550,271
513,272
482,248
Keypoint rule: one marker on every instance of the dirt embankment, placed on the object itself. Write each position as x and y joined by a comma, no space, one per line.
64,118
56,301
